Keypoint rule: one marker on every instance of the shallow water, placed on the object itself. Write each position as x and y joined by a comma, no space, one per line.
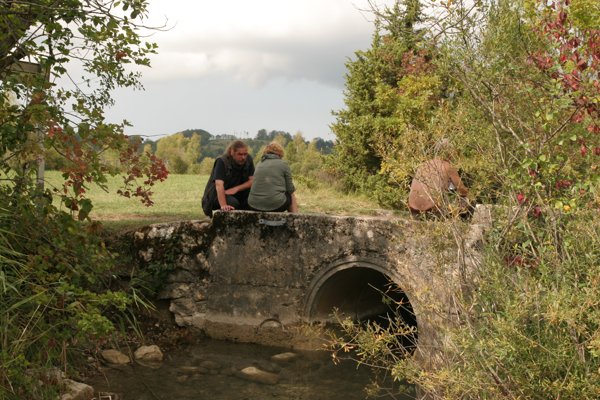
212,373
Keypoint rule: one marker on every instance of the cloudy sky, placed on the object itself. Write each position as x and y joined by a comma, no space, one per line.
237,66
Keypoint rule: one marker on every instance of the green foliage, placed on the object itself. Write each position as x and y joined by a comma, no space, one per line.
304,158
392,93
54,301
39,115
586,14
205,166
54,296
408,92
179,152
518,97
530,330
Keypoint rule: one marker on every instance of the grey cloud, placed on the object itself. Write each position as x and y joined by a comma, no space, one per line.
322,61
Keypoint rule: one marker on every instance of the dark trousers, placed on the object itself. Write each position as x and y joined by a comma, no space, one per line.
283,208
239,201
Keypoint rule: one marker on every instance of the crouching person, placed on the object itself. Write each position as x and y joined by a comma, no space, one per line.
272,187
433,184
229,183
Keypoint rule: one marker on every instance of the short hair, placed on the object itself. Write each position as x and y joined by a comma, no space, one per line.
274,148
235,146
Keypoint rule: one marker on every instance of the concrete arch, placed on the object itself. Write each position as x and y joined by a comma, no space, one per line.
356,288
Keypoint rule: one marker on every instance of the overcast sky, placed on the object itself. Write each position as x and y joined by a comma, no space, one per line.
237,66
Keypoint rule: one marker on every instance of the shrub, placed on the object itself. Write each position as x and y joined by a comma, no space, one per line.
54,296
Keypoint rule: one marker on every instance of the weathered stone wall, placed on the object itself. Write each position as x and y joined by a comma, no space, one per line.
181,249
252,276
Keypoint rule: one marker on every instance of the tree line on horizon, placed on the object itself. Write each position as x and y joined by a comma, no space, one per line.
193,151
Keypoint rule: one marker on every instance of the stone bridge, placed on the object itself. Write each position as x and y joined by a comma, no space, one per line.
270,278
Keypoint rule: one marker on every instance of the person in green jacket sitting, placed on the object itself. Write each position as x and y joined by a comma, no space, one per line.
272,187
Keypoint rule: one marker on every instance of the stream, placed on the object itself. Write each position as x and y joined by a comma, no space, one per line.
210,370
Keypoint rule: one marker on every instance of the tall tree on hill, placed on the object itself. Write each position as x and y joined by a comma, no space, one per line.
262,135
205,136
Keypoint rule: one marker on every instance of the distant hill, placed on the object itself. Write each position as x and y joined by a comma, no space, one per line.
214,145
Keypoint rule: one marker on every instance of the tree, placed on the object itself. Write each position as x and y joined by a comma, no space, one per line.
401,99
262,135
305,159
313,160
101,38
205,136
324,146
295,148
390,91
282,139
205,167
279,136
179,152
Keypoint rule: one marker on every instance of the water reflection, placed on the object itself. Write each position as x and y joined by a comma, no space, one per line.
210,370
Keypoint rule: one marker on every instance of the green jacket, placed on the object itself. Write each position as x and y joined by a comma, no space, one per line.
272,180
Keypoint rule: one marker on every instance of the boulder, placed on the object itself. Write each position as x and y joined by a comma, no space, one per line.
268,366
209,364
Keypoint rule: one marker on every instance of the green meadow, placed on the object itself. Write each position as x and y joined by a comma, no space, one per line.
178,198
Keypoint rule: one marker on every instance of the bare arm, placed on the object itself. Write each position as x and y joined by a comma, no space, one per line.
294,206
455,178
221,195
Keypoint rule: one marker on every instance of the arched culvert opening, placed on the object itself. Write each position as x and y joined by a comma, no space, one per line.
367,295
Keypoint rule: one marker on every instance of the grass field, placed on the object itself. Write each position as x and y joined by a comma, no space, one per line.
178,198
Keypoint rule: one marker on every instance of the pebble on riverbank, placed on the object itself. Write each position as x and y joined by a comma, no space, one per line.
115,357
76,391
257,375
148,353
284,357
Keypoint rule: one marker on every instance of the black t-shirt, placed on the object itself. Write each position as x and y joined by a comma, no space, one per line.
237,175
